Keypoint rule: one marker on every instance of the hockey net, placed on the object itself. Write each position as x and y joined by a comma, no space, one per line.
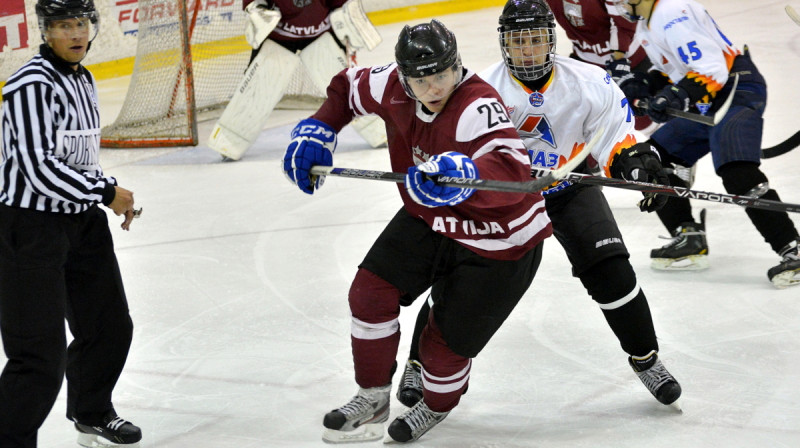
190,58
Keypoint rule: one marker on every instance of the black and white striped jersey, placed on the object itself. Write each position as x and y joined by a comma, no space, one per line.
51,139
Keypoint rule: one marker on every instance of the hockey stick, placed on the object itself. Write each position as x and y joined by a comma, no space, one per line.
703,119
532,186
792,14
782,147
722,198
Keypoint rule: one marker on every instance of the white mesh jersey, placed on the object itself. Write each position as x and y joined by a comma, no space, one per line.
682,40
556,121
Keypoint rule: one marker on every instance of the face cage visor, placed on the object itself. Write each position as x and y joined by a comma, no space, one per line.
87,22
530,53
455,70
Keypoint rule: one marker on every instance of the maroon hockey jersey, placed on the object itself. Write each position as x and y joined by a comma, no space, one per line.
301,19
595,32
474,122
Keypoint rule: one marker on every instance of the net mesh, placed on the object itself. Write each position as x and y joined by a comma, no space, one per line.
158,109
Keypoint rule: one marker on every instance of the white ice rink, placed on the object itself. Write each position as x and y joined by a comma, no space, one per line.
238,282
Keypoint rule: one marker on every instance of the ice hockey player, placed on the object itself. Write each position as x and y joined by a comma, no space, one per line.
478,250
694,63
554,119
321,36
57,259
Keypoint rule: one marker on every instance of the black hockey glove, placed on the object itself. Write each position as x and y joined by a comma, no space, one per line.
672,96
642,163
635,85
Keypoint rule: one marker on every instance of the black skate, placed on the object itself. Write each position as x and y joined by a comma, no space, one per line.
114,431
687,251
361,419
415,422
657,379
787,273
410,390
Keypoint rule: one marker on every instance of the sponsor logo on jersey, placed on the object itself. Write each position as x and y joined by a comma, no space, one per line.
536,99
79,148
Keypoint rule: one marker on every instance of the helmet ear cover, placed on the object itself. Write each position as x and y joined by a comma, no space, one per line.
426,49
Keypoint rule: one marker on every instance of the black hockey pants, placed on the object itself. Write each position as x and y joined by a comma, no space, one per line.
56,266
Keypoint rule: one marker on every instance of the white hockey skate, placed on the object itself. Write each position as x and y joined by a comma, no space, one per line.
115,432
657,379
360,420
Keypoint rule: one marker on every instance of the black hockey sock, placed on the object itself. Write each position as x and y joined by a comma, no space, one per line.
610,281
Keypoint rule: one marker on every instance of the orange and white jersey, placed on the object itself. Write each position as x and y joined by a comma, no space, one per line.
556,121
683,41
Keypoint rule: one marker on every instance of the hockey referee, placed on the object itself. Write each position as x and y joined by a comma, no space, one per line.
57,257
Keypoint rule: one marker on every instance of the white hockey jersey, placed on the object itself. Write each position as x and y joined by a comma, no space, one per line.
556,121
682,40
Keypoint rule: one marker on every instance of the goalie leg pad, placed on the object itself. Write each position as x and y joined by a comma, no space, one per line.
323,59
259,91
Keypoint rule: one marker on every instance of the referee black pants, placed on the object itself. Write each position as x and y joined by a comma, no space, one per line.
54,267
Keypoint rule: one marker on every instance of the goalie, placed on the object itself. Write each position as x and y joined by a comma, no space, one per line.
320,35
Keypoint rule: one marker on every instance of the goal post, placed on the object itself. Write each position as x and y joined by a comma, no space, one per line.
190,57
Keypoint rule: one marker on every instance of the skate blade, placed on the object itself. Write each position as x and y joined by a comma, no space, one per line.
93,441
690,263
676,405
786,279
364,433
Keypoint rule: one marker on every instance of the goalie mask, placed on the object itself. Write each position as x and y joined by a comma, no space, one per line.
49,11
528,38
425,50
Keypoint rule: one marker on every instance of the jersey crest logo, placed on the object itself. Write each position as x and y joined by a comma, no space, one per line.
419,156
536,99
301,3
537,126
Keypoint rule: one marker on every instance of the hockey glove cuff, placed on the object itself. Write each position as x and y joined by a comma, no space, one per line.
673,97
313,143
421,185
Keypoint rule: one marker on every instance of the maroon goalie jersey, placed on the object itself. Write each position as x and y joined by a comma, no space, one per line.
301,19
474,122
596,31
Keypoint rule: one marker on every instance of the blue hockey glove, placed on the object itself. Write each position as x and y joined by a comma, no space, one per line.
635,85
670,96
642,163
313,143
423,190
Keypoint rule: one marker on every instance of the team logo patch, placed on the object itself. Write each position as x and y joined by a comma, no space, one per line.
536,99
301,3
703,108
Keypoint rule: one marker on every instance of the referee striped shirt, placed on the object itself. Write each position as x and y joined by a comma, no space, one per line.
51,139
